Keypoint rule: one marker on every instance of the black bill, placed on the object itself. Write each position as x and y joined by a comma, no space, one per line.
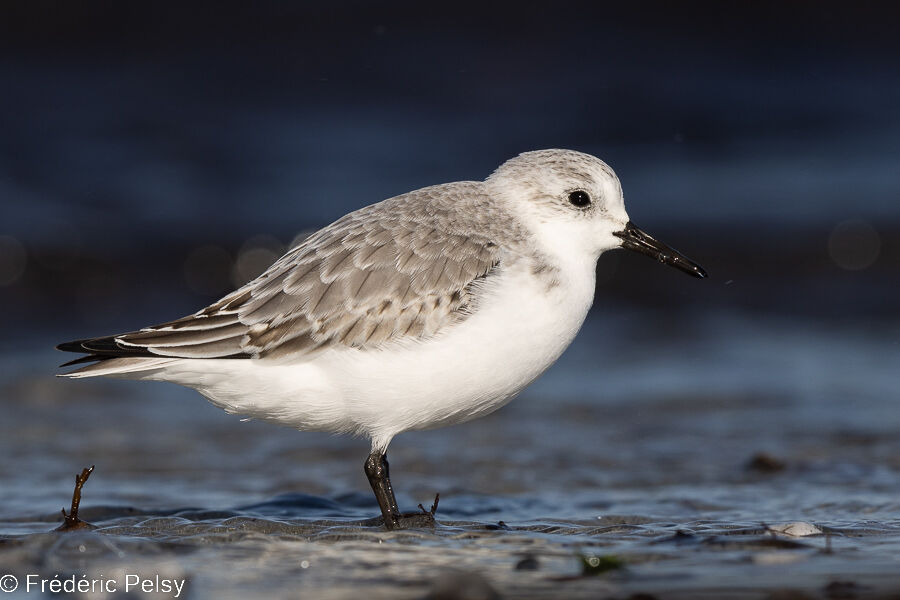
635,239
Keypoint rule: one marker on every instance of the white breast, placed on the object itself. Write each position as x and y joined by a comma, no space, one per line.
520,328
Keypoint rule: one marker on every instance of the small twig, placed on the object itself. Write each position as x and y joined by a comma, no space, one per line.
71,520
434,506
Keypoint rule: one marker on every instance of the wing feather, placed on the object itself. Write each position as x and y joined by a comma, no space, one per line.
402,269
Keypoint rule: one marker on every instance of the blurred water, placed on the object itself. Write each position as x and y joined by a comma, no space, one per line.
635,445
118,128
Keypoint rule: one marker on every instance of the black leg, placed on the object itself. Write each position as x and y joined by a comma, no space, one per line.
380,479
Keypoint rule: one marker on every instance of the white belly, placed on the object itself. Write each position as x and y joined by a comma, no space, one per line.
520,328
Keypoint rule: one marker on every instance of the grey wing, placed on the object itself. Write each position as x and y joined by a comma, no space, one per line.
360,282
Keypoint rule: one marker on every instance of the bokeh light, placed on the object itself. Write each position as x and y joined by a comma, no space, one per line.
300,238
255,256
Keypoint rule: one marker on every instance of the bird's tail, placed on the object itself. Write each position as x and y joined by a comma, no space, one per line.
128,367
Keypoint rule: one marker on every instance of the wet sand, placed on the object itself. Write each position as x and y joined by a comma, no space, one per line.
619,473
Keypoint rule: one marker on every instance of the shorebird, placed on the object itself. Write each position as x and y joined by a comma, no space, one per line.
428,309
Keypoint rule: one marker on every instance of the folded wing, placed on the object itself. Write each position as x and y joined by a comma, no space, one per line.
383,273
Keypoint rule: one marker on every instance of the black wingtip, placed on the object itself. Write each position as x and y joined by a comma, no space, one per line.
105,347
74,346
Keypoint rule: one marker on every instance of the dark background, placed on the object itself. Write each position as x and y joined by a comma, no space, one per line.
154,156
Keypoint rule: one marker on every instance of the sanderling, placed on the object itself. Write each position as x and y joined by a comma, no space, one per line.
427,309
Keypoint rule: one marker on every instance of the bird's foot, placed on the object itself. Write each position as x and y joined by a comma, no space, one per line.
414,520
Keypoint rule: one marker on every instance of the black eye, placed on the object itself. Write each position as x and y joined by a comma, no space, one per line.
580,198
